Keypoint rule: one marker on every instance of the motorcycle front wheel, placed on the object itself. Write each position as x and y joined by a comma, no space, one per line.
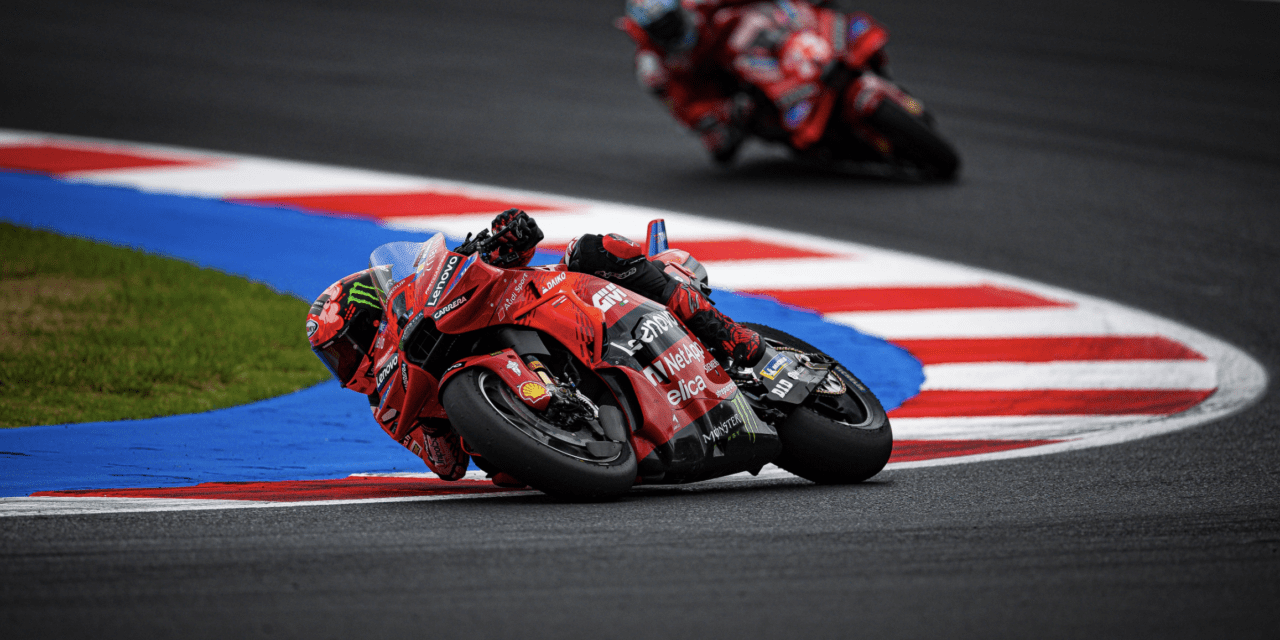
569,463
838,436
915,141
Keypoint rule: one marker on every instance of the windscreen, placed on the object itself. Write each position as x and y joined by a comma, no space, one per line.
394,261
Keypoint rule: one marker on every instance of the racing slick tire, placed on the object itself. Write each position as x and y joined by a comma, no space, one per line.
915,141
832,439
575,465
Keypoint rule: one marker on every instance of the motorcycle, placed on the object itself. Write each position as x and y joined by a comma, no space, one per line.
817,81
582,389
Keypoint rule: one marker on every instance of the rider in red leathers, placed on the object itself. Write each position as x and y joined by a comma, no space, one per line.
696,55
350,332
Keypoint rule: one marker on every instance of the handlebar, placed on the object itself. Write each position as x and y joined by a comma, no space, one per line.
483,242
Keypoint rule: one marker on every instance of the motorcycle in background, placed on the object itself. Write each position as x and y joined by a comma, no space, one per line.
817,81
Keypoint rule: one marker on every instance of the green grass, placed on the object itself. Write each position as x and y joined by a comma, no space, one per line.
92,332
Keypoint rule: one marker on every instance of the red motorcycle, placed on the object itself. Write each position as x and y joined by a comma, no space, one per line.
582,389
816,80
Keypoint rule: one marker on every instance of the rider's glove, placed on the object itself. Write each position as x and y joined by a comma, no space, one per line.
516,246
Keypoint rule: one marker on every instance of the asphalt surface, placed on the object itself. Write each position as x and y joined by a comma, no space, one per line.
1126,149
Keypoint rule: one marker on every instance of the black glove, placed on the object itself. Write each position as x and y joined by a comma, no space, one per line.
516,245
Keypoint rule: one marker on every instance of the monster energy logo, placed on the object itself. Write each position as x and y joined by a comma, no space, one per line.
362,293
750,426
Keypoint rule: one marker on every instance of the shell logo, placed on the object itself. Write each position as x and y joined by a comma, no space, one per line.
532,390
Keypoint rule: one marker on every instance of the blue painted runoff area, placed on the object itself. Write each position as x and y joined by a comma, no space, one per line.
320,432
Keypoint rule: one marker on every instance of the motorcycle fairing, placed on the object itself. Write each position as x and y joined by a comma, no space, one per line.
694,423
708,428
513,371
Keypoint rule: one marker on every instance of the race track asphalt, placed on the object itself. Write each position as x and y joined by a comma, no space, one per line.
1127,149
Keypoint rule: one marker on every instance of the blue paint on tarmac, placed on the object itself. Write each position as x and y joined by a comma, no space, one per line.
321,432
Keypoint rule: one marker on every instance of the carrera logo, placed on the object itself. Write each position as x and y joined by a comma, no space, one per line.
446,272
551,284
532,390
607,297
453,304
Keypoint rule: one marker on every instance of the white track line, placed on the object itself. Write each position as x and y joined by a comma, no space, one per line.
1240,380
1127,374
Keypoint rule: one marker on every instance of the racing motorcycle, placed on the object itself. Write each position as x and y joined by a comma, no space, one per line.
818,82
582,389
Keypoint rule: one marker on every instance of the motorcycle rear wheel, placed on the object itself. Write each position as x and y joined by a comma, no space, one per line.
574,465
841,439
915,141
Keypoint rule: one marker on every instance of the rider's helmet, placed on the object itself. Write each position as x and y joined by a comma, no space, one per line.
669,25
342,325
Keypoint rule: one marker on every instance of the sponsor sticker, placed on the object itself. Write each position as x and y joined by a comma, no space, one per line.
775,366
451,306
674,361
723,429
609,296
782,388
387,369
551,284
363,294
312,326
685,392
446,272
654,325
517,294
532,390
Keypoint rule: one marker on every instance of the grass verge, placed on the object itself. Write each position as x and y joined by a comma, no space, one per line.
92,332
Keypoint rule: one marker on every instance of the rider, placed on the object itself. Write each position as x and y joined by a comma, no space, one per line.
696,55
344,328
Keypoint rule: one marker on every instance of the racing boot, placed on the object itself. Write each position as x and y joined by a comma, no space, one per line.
741,345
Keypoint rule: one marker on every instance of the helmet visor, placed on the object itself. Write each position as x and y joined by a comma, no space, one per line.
342,357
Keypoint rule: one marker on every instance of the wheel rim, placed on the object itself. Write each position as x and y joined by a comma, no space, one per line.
580,445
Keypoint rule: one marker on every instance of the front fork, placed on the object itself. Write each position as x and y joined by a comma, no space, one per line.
565,403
